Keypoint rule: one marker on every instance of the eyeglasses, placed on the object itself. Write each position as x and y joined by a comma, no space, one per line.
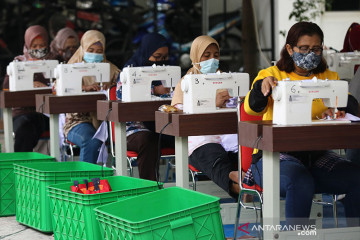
307,49
160,57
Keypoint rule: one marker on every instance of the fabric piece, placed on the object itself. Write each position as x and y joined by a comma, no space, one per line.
102,135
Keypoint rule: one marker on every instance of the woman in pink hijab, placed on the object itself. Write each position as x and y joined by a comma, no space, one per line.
28,124
65,44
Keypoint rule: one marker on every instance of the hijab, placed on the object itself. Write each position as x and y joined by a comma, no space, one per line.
89,38
197,49
60,39
30,34
352,38
149,44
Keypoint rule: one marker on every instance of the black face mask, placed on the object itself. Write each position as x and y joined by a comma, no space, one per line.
150,63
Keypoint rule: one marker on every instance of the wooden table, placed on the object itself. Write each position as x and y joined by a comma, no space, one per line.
120,113
9,100
275,139
183,125
54,105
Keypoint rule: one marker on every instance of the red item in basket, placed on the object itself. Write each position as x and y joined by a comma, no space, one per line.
89,188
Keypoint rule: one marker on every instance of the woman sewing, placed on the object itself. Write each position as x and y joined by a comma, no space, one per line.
302,174
206,153
29,125
80,128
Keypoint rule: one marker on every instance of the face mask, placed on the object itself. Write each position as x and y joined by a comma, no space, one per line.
160,63
38,53
307,61
67,54
209,66
93,57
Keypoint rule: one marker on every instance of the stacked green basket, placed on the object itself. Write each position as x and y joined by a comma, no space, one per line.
32,180
7,179
169,214
73,214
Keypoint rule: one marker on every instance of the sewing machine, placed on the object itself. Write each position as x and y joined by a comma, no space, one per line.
345,63
69,76
200,90
293,99
21,74
137,81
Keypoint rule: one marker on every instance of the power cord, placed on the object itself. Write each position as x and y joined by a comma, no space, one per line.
159,157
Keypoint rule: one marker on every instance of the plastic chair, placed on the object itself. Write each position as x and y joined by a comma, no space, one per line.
166,153
194,173
67,147
245,158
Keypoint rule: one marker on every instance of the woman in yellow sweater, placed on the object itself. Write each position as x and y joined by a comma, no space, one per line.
302,174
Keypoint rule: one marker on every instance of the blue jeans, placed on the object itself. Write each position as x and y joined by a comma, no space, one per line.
298,184
82,135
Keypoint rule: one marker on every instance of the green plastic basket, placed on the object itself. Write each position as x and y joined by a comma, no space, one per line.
169,214
7,179
73,215
32,180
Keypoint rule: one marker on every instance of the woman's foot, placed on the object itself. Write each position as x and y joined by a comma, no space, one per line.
234,176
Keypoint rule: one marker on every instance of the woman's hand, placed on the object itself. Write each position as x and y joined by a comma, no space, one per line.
161,90
267,84
222,96
330,113
91,88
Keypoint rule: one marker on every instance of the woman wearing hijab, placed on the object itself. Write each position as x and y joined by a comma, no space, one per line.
207,153
141,137
80,128
28,124
65,43
304,173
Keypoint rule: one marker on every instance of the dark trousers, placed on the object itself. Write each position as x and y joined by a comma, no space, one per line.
28,128
299,184
145,143
216,163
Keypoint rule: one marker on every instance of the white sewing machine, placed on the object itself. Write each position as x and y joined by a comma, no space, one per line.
293,99
136,81
200,90
21,74
345,63
69,76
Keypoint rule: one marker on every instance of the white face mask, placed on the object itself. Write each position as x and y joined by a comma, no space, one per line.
209,66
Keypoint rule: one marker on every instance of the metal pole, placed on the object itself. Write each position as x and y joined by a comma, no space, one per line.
205,17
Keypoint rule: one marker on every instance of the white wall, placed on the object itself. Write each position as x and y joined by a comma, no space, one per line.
333,24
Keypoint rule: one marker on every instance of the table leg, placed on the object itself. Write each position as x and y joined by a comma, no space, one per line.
8,130
54,136
182,162
271,188
120,149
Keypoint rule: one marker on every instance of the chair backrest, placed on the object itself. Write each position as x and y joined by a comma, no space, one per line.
112,96
246,152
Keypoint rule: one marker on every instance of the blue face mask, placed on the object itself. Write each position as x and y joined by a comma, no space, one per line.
209,66
307,61
93,57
